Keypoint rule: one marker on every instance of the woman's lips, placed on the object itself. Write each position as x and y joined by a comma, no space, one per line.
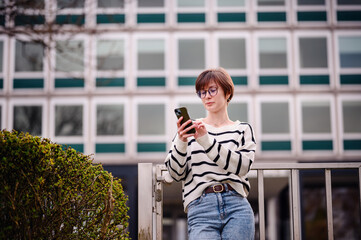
209,103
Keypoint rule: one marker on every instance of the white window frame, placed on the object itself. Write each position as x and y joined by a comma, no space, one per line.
337,7
342,135
324,71
4,73
3,110
205,9
280,71
150,10
126,10
266,98
316,136
286,8
232,9
340,70
312,8
29,102
73,101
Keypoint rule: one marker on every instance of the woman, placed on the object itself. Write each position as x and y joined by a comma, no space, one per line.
212,164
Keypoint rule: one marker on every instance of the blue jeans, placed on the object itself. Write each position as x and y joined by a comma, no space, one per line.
215,216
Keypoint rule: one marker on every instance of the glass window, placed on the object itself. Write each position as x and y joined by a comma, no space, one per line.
310,2
232,53
29,56
271,2
272,53
151,119
111,3
230,3
151,54
316,117
313,52
190,3
350,52
110,55
351,116
68,120
195,110
28,119
275,117
191,54
110,119
1,55
69,56
349,2
150,3
238,111
70,4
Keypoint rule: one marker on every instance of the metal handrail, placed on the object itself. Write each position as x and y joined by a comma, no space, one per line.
150,200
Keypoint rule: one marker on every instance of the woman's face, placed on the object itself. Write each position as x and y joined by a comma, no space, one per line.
216,102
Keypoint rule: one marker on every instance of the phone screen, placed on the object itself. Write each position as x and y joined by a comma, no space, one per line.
182,112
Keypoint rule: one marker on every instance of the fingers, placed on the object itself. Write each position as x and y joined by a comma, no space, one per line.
183,129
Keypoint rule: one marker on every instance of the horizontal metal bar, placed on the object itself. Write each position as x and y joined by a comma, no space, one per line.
300,166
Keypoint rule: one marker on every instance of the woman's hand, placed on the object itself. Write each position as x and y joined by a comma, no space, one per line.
182,131
200,129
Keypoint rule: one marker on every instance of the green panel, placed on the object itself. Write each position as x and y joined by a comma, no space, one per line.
271,16
312,16
276,145
110,148
350,79
1,83
151,82
151,147
186,81
110,18
354,144
348,15
77,146
191,17
28,83
151,18
70,19
69,82
21,20
273,80
240,80
232,17
110,82
317,145
315,79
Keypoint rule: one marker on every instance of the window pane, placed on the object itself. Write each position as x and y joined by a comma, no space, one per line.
232,53
238,111
110,119
310,2
275,118
195,110
316,117
69,120
350,52
151,119
1,55
313,52
272,53
28,119
271,2
70,4
191,54
351,116
349,2
110,55
110,3
28,57
150,3
38,4
230,3
69,56
151,54
190,3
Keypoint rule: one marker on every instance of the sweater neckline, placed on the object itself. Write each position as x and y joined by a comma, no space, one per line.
235,123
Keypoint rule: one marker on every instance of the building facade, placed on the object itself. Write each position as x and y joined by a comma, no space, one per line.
104,76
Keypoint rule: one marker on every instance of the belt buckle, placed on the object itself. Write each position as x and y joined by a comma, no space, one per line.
218,191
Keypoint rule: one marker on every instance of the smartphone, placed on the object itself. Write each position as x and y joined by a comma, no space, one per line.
182,112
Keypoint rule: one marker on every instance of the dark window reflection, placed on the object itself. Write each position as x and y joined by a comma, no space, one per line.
29,57
28,119
69,120
110,119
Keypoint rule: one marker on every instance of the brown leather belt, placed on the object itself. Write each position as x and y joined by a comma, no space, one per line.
218,188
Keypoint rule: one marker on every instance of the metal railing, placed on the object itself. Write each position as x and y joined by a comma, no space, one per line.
150,195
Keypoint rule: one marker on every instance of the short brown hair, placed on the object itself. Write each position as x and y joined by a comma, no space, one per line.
220,77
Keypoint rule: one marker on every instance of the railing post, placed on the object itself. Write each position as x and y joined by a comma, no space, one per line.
262,234
295,185
329,203
145,201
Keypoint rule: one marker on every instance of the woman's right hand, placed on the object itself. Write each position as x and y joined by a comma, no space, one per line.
182,131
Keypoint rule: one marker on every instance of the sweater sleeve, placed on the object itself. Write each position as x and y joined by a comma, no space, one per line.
239,161
176,160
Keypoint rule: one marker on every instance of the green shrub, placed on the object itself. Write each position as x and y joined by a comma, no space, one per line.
47,192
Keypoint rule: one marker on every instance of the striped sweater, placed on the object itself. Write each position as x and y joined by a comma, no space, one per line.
224,155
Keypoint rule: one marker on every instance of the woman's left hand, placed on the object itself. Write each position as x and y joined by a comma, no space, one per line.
200,129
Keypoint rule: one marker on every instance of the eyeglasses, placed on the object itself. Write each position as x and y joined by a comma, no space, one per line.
212,92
